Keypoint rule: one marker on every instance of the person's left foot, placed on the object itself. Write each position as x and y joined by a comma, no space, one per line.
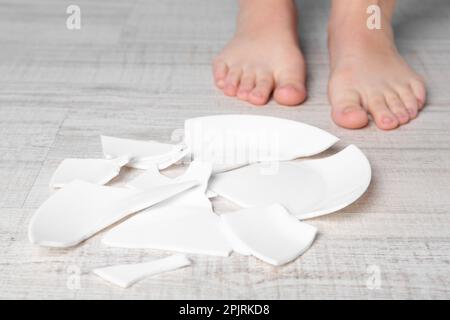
368,75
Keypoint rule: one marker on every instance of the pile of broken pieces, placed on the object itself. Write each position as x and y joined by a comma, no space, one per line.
249,160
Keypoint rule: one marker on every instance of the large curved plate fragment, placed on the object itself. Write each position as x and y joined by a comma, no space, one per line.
307,188
232,141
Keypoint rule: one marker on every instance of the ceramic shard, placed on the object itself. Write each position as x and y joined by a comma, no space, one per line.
232,141
143,154
97,171
307,188
185,223
80,209
236,243
210,194
128,274
269,233
187,229
151,178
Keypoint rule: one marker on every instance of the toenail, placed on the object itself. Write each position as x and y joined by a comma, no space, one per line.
348,110
220,82
257,94
412,112
387,120
287,86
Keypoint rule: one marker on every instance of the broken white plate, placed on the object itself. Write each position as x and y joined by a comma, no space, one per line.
185,223
236,244
231,141
210,194
97,171
269,233
127,274
81,209
143,154
151,178
307,188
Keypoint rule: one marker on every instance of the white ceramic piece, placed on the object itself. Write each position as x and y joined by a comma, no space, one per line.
185,223
97,171
307,188
210,194
128,274
151,178
236,244
269,233
80,209
231,141
143,154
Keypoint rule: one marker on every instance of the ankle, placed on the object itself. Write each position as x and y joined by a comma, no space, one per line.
355,13
359,7
350,27
266,15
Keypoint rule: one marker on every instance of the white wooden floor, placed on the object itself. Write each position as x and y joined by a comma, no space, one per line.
138,69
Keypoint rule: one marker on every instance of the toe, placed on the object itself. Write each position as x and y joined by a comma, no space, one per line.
290,89
382,115
246,85
220,71
232,81
261,93
409,100
397,107
347,111
420,92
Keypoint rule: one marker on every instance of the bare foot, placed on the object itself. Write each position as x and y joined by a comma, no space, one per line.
368,75
264,56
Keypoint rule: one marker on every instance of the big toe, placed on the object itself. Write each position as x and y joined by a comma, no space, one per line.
347,110
290,87
351,117
290,94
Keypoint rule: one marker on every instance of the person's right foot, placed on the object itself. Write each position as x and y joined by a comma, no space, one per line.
264,55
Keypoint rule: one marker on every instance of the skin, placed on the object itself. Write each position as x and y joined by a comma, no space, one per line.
368,77
264,55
